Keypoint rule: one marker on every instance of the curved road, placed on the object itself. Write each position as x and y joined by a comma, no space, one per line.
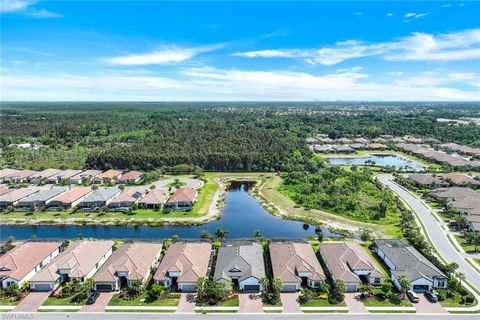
434,230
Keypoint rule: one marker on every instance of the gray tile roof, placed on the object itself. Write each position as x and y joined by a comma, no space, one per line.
407,260
100,196
42,196
240,261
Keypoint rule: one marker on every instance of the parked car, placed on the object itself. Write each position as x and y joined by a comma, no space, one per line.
432,297
412,296
93,297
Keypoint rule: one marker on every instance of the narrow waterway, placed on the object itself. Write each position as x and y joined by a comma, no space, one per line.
241,216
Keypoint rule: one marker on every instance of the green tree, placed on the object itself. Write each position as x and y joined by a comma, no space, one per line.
221,234
404,285
386,288
257,234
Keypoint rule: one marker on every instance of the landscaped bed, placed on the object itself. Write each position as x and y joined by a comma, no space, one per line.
54,301
322,303
144,300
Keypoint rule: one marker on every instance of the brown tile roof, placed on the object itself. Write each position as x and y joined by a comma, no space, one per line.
110,174
5,190
130,194
87,174
155,197
343,258
23,174
47,173
72,195
7,172
80,257
290,258
135,258
460,179
130,175
68,173
189,258
22,259
455,193
183,194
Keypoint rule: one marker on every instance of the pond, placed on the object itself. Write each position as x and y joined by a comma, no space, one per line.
241,216
382,160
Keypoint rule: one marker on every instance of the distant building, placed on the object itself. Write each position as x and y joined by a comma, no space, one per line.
183,199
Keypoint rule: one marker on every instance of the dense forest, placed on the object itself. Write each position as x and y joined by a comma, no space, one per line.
353,194
213,136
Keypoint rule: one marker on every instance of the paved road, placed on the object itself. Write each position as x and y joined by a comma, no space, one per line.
436,233
242,316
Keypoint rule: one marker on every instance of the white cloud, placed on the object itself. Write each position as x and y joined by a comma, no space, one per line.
415,15
207,84
43,13
358,13
447,5
463,45
171,54
389,14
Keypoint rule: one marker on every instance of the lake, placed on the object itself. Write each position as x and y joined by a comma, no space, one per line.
241,216
379,160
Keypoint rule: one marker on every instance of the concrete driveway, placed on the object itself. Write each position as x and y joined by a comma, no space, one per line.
425,306
99,305
354,305
187,303
250,303
290,303
31,302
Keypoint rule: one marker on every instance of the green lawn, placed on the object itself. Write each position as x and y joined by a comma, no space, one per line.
379,301
455,301
53,301
144,301
235,302
465,246
322,303
8,302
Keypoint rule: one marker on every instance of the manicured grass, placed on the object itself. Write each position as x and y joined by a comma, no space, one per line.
455,301
465,246
235,302
322,303
379,301
8,302
53,301
376,259
144,301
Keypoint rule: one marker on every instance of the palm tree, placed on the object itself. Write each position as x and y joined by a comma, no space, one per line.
277,285
461,277
404,285
451,268
257,234
199,285
221,233
265,282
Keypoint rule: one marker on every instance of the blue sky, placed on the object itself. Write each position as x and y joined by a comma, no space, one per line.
161,51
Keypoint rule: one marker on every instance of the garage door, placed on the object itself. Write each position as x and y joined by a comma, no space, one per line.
289,288
420,288
188,288
351,288
42,287
104,287
251,288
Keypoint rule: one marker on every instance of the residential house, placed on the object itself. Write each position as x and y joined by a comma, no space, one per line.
183,199
130,177
19,176
404,260
426,180
343,148
295,264
454,193
344,141
107,176
241,263
42,176
20,264
130,263
99,198
350,263
80,261
41,198
12,198
458,179
127,197
376,146
7,172
86,175
70,198
154,199
323,148
64,175
182,264
5,190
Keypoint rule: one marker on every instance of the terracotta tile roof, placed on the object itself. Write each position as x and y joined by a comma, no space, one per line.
22,259
189,258
7,172
68,173
110,174
289,258
183,195
344,258
460,179
80,257
5,190
47,173
72,195
87,174
131,175
154,197
134,258
22,174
